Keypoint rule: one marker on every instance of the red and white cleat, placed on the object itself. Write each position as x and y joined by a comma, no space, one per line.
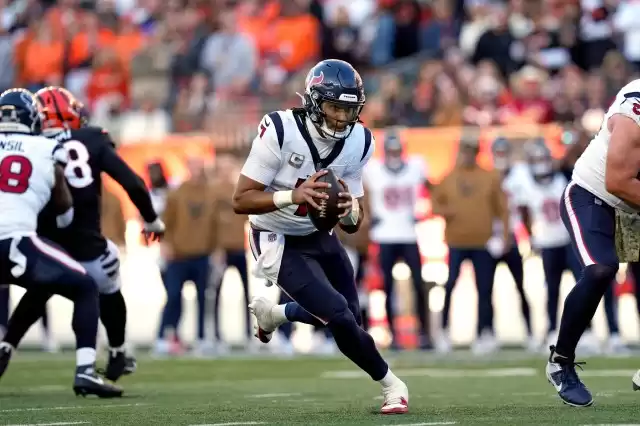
396,400
261,308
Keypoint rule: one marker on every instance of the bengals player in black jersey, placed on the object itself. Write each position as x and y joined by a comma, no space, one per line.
91,152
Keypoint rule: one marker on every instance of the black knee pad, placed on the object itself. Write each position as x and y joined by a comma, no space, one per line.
604,274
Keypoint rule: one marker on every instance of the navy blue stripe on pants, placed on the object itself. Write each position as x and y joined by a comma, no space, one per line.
483,268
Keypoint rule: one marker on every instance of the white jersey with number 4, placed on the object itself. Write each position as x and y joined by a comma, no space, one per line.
543,202
27,175
392,199
284,154
589,170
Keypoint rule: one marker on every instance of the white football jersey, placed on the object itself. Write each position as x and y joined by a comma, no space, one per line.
27,175
512,185
392,200
590,168
543,202
285,153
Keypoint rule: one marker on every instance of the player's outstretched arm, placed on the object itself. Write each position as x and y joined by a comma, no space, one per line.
623,159
62,199
119,170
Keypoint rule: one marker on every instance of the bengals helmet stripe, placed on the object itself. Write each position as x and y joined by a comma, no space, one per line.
60,108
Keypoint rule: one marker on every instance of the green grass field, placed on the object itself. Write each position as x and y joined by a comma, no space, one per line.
460,390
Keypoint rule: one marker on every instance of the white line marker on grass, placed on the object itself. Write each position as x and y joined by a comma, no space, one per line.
423,424
232,424
273,395
438,372
73,407
51,424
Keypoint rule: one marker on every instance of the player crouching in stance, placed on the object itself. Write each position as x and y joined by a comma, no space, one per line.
91,152
32,173
277,182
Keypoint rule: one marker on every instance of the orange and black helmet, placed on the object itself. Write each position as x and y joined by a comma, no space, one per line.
60,109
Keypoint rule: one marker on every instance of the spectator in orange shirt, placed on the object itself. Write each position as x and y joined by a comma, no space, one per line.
108,86
86,43
129,40
296,37
43,59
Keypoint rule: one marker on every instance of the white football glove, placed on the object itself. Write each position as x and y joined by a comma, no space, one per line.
153,231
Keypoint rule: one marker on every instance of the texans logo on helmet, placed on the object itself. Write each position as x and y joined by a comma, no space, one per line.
316,79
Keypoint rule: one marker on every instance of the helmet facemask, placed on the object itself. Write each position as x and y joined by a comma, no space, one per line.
334,119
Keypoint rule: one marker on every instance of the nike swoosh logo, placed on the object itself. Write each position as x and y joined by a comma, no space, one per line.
93,379
266,123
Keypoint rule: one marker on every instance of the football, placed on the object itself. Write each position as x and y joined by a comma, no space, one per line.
326,218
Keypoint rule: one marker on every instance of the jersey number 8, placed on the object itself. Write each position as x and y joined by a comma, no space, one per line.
15,171
78,172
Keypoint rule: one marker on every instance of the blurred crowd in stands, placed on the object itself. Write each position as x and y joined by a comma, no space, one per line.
149,67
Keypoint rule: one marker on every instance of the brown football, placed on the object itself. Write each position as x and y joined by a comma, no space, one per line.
326,218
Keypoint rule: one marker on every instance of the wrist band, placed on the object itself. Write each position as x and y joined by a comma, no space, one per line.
283,199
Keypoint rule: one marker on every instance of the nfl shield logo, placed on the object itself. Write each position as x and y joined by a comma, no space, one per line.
272,237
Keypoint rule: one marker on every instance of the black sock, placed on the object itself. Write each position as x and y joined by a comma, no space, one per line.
86,313
29,310
358,345
113,314
581,304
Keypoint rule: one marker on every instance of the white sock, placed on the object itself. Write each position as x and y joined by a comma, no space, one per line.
278,314
389,379
85,356
118,349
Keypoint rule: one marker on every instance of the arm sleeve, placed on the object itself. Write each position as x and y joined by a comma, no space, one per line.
263,163
353,178
115,166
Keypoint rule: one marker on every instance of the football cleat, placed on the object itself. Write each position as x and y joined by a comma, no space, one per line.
6,350
118,365
396,399
87,382
636,380
261,308
561,373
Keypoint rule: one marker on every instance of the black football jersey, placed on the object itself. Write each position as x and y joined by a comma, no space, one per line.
91,152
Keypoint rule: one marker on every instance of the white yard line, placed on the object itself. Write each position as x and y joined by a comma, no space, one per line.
51,424
422,424
71,407
273,395
232,424
439,372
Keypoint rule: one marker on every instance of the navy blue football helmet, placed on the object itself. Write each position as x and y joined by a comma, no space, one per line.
393,150
333,98
19,112
501,152
539,158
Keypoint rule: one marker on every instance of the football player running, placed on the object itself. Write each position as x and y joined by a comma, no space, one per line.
91,152
277,181
605,180
514,175
31,174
